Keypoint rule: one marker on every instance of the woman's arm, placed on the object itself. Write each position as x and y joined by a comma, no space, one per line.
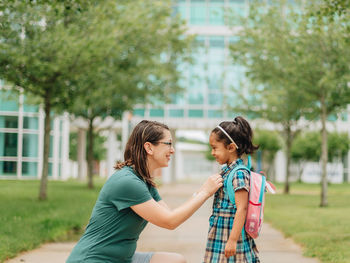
160,215
241,199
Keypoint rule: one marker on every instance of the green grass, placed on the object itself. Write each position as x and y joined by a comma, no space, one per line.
25,222
323,232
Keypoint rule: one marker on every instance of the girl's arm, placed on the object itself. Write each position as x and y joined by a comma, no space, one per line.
241,199
159,214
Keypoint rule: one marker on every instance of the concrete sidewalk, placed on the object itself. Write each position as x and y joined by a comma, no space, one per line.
188,239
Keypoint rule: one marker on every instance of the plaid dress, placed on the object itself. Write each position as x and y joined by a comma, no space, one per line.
221,222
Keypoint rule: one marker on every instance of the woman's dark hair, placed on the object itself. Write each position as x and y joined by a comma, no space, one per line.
135,154
241,133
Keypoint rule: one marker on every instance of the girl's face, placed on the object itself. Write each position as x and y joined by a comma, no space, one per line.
223,154
160,153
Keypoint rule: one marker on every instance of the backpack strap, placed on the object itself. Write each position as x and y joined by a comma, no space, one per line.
229,188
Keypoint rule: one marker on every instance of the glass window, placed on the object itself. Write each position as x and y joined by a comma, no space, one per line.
8,100
29,168
31,123
30,145
8,144
8,122
237,10
156,113
215,77
178,98
215,114
8,168
198,13
215,99
216,15
139,112
195,113
51,147
28,106
176,113
196,97
217,42
181,9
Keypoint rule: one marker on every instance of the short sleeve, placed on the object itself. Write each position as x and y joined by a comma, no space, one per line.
240,180
155,194
126,191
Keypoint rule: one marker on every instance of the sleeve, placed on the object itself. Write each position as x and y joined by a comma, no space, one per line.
240,180
128,191
155,194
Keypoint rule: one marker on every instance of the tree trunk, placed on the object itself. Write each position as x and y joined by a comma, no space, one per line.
324,155
45,170
288,156
90,156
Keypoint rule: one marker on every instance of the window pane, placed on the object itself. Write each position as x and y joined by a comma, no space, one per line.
156,113
8,122
195,113
215,99
215,114
195,97
8,101
8,144
176,113
8,168
29,107
29,168
139,112
216,15
198,14
30,145
31,123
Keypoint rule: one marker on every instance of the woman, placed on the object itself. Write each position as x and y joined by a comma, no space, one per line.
129,200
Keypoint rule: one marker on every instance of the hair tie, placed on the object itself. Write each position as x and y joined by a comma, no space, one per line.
228,136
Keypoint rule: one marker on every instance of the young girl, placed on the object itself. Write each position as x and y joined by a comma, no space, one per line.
229,141
129,199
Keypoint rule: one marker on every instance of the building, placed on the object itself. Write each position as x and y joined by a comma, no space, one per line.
22,138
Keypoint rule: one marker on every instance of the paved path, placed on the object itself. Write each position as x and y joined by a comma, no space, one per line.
188,239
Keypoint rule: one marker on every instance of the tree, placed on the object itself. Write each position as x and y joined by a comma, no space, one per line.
269,144
139,65
307,58
44,46
266,48
306,147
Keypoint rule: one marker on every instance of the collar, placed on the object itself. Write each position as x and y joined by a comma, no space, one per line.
225,168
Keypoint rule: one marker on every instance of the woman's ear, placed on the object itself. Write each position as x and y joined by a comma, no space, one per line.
148,147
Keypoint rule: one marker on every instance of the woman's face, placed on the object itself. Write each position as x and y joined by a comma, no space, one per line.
161,152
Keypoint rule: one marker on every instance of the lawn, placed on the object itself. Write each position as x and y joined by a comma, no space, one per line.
323,232
25,222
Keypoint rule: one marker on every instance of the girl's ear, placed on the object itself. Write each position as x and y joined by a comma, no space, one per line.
232,147
148,147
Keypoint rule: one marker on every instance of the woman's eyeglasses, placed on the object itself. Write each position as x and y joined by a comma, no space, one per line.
170,144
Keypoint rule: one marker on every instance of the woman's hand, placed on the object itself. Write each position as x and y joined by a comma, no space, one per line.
230,248
213,183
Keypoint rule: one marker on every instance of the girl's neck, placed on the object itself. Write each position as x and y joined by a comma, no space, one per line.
233,159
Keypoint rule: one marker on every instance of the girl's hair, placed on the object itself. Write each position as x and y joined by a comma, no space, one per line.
135,154
241,133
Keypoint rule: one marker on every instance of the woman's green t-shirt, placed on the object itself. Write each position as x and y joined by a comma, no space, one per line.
114,227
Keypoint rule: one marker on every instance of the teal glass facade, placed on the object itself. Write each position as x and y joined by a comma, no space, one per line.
208,81
21,138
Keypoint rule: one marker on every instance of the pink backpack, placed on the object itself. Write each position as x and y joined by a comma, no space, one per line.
255,211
